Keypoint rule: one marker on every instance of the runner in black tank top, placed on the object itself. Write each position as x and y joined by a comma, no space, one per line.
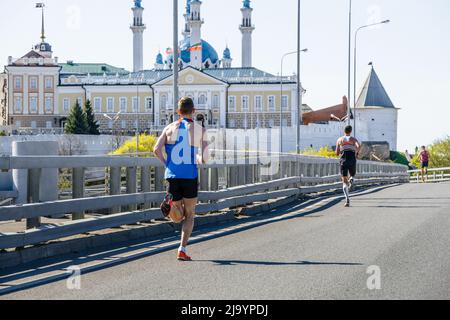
347,148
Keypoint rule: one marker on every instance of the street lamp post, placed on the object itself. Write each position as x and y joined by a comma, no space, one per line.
349,59
299,116
354,67
175,58
114,120
281,93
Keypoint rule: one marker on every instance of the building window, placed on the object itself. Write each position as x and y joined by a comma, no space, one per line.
148,103
135,104
80,101
163,102
66,105
33,125
110,124
284,102
48,124
258,103
232,123
110,104
17,83
123,124
33,104
284,122
215,101
97,104
202,99
48,83
48,104
244,104
123,104
33,83
271,123
18,104
232,103
271,102
19,124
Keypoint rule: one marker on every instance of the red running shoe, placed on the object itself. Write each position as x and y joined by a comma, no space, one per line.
182,256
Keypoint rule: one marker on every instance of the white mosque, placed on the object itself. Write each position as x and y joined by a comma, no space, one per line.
38,91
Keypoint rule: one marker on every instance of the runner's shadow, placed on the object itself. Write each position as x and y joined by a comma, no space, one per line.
275,263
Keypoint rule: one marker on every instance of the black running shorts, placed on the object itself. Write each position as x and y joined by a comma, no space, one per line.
183,188
348,168
348,163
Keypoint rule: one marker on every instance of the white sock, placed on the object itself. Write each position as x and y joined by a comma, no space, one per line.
345,189
182,249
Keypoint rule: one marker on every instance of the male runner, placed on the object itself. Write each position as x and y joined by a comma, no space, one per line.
424,158
182,141
347,147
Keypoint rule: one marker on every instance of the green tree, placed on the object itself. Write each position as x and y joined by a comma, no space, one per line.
92,125
76,122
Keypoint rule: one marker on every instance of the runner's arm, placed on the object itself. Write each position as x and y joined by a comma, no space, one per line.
358,147
338,147
159,146
204,156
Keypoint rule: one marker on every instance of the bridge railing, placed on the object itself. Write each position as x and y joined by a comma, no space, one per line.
433,175
135,186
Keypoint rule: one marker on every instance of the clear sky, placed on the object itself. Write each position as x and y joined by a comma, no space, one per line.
411,54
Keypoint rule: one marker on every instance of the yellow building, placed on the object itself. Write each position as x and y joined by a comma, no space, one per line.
42,91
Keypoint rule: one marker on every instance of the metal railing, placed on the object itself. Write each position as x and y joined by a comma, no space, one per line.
432,175
134,187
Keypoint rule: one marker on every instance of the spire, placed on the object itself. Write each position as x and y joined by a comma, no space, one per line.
41,6
188,7
373,93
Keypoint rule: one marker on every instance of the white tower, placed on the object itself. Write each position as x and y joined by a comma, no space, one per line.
247,29
195,26
138,28
376,115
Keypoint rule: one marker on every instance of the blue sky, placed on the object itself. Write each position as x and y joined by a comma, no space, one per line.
411,54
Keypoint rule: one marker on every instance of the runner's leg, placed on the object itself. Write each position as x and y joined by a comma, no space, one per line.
188,223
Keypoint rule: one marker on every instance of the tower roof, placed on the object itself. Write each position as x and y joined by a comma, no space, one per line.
373,93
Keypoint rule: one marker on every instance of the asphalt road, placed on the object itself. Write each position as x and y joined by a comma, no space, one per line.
402,231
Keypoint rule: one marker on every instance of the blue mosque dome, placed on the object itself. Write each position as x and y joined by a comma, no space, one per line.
208,52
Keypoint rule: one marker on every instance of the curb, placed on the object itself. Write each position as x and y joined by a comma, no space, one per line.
57,248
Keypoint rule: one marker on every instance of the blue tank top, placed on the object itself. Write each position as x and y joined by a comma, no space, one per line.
181,156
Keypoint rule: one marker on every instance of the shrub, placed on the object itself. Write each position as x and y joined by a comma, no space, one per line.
146,144
326,152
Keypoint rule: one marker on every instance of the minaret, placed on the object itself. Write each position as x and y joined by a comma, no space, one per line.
159,63
138,31
247,29
195,26
226,60
187,30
